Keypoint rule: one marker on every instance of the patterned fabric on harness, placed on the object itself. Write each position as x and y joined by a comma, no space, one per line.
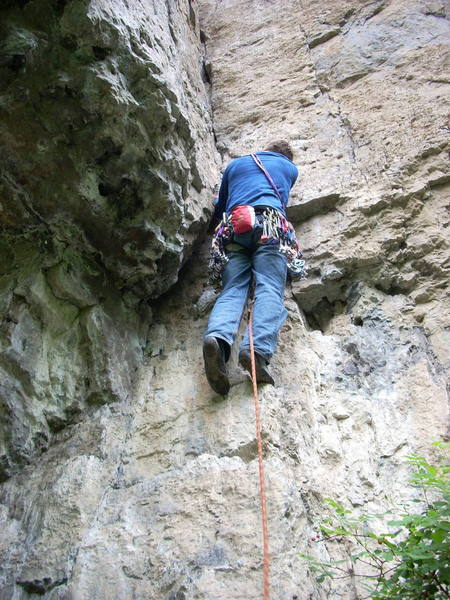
218,258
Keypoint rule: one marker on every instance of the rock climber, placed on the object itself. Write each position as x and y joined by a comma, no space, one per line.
252,240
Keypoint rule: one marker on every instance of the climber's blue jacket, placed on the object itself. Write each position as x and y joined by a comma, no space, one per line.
243,182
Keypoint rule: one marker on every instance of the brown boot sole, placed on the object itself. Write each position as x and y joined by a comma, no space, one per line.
215,366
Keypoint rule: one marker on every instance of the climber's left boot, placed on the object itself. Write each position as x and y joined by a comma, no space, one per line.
215,369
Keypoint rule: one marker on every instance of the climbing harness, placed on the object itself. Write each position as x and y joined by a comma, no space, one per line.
262,484
276,229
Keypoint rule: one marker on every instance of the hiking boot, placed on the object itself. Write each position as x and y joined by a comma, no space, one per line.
262,371
216,372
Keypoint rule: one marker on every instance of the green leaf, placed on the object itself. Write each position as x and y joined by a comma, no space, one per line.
394,523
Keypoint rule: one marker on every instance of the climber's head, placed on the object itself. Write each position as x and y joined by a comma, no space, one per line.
282,147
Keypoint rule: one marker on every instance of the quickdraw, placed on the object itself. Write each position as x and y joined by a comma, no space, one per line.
218,257
276,229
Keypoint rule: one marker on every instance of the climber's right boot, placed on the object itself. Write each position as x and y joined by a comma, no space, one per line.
261,366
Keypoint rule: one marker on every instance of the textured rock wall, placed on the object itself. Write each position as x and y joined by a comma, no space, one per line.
360,89
106,159
103,108
155,493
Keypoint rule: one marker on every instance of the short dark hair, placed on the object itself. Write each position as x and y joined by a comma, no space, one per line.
282,147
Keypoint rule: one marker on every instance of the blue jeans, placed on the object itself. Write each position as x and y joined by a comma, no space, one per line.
268,266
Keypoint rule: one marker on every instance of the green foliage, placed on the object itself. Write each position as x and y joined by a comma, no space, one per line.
409,561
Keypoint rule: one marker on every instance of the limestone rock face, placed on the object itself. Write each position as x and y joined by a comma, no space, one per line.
103,107
106,168
148,487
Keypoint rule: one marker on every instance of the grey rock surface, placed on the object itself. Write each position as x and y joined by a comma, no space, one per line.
106,136
125,476
107,162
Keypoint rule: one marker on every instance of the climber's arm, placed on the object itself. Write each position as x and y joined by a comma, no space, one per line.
221,203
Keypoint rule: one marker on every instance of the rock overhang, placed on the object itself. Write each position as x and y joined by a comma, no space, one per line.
106,135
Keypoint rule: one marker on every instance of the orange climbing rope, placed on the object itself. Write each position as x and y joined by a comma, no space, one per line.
262,485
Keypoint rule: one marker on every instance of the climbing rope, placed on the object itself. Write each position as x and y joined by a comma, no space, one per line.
262,485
